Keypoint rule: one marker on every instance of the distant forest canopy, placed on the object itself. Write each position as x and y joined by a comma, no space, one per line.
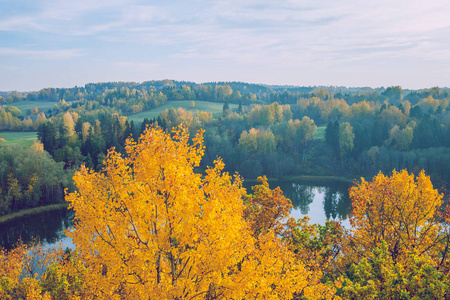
220,92
273,130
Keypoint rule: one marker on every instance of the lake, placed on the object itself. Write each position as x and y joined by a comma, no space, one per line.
319,199
46,227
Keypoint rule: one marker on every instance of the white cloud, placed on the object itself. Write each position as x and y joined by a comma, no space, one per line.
42,54
19,24
343,38
141,66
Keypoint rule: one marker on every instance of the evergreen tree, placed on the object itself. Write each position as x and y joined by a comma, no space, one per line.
332,136
47,136
226,109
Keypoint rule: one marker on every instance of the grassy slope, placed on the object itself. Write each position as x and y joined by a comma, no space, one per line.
24,139
28,105
213,107
320,132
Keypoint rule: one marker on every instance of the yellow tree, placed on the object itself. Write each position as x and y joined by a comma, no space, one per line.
249,140
85,130
27,123
401,211
40,119
22,271
149,227
362,109
306,130
69,123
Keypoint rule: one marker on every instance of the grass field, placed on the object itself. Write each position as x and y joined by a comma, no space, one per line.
24,139
24,106
320,132
212,107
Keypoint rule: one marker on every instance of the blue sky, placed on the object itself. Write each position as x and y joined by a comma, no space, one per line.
330,42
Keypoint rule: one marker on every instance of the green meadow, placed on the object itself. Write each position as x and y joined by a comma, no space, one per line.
24,139
42,106
320,132
212,107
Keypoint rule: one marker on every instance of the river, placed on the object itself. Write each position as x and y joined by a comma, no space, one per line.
319,199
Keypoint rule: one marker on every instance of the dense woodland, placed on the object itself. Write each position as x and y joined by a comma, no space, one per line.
133,248
30,178
271,132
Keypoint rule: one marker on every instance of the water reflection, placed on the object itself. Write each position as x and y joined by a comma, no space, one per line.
301,196
336,204
46,227
319,199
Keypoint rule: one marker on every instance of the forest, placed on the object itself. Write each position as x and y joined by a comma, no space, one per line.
154,201
148,226
278,131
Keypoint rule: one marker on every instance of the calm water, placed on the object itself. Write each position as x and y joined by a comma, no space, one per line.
46,227
320,200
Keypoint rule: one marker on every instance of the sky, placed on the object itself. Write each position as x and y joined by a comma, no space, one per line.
348,43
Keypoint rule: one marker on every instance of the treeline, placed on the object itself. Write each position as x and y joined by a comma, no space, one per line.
76,139
361,138
276,139
385,136
130,97
366,130
13,119
274,136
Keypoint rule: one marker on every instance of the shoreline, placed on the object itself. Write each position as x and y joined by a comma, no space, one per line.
318,177
310,177
31,211
36,210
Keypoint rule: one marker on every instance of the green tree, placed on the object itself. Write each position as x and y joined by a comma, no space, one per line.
395,94
379,277
332,136
306,130
226,109
346,137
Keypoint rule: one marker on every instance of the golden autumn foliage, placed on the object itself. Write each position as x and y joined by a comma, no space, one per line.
22,269
402,211
149,227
